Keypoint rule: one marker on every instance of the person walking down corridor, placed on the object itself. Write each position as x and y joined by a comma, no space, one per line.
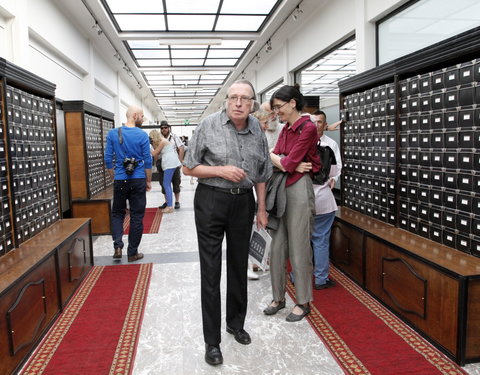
129,147
179,149
169,164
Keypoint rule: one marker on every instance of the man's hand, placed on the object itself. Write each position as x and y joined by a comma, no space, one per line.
331,183
149,185
304,167
231,173
262,219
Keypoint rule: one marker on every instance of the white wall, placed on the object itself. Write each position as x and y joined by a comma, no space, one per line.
5,33
37,36
321,26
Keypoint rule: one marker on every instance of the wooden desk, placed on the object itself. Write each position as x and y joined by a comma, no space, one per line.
36,281
432,287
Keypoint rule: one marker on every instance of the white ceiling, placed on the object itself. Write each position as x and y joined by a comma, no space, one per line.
186,50
181,54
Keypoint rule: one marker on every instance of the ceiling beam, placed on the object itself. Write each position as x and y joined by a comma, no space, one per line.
140,35
164,69
184,86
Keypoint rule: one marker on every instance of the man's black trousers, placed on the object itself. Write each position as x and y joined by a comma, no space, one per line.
218,213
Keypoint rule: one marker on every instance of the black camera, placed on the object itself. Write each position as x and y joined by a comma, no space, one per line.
130,164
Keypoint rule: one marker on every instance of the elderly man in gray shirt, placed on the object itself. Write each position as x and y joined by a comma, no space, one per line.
229,155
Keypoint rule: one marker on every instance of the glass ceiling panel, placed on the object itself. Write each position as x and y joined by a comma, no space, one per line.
187,62
157,82
232,44
189,6
150,54
153,62
190,22
143,22
216,73
167,103
186,82
159,77
188,17
137,6
144,44
188,53
239,23
187,46
187,77
248,6
221,62
211,81
225,53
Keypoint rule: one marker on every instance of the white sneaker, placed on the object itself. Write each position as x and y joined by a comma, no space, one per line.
251,275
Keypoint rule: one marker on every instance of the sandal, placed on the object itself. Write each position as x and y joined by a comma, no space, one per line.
294,317
272,310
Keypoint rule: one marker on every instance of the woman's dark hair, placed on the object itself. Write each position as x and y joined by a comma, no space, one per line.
287,93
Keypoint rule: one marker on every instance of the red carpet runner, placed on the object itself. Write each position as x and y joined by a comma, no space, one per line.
367,339
98,331
151,221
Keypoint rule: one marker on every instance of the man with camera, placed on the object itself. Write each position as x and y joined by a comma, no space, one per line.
129,163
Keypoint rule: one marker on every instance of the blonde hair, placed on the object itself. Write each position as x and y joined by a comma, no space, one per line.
156,137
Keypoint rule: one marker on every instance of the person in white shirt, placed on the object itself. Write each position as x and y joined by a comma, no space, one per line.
179,149
325,208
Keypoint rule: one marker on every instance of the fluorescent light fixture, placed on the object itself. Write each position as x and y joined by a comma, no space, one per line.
191,42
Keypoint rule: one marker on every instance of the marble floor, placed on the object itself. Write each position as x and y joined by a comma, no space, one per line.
171,340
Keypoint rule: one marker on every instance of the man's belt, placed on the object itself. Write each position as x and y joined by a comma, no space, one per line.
234,191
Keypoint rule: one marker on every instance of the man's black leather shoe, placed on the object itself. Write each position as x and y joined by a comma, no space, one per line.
213,355
241,335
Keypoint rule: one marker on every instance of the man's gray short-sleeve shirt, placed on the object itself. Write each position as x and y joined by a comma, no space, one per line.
216,142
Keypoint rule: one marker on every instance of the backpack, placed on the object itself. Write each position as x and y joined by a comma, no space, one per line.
327,157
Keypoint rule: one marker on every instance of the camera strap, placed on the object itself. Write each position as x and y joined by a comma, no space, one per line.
120,140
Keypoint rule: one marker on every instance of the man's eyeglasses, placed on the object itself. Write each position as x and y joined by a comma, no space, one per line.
277,107
163,127
235,99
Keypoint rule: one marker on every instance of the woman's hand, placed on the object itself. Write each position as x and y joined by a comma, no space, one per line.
304,167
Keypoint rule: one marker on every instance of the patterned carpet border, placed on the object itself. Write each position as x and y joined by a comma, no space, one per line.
346,358
157,219
54,337
126,348
421,346
339,349
127,344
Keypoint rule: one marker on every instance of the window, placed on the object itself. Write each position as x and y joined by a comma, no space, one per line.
422,24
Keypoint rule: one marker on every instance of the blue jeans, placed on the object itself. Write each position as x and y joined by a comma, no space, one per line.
321,246
135,191
167,185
